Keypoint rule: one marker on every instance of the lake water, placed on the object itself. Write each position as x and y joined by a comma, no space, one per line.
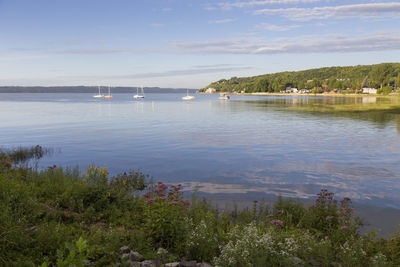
250,146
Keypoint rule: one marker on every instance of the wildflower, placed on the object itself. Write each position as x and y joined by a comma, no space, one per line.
279,212
329,218
270,216
277,223
393,239
344,228
350,209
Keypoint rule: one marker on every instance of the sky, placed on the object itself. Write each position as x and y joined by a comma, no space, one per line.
187,43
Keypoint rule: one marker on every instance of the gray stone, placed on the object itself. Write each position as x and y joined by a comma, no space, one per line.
188,264
125,256
33,228
204,264
135,256
172,264
296,261
134,263
125,249
315,263
147,263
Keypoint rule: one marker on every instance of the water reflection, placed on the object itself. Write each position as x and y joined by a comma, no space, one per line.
381,110
253,146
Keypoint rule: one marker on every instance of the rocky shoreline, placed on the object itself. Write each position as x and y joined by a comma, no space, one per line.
134,259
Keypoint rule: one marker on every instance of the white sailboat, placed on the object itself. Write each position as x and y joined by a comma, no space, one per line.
139,95
99,95
109,93
188,97
224,97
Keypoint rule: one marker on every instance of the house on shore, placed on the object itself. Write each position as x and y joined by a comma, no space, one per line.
210,91
369,91
291,90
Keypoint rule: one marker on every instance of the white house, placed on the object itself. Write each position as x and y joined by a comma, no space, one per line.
369,91
291,90
210,91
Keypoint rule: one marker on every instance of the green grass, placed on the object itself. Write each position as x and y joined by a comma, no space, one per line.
59,217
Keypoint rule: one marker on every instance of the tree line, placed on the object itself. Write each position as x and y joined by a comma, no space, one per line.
385,76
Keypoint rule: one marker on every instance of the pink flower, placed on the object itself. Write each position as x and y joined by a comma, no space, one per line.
280,212
329,218
344,228
278,223
270,216
173,203
350,209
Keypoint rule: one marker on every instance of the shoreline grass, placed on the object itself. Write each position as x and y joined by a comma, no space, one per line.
60,217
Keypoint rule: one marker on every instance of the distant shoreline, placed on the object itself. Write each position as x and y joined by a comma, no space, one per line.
297,94
88,89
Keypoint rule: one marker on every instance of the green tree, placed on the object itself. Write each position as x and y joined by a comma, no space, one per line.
397,81
261,85
381,73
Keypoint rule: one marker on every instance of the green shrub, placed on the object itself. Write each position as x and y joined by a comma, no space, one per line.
165,216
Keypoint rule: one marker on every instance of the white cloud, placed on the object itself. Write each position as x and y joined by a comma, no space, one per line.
376,42
221,21
241,4
21,57
344,11
273,27
219,68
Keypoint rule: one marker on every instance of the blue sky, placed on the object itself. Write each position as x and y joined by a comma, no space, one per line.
187,43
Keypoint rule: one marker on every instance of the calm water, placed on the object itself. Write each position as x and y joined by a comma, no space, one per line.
249,146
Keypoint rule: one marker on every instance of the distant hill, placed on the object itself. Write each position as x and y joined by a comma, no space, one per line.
328,78
86,89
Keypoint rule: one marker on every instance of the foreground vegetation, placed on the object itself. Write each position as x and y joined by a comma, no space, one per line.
385,76
60,217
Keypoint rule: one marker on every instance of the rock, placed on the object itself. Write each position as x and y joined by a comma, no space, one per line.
125,256
125,249
188,264
134,263
315,263
135,256
172,264
147,263
204,264
296,261
33,228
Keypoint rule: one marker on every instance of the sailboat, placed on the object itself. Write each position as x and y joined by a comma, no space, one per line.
139,95
188,97
99,95
109,93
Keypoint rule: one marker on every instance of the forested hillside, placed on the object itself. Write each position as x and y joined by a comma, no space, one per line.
322,79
